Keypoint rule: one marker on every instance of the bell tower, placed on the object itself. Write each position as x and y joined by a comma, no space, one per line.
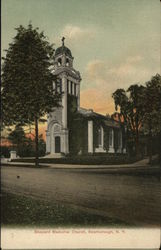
57,134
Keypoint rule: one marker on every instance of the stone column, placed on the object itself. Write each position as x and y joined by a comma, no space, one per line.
69,87
64,101
48,150
125,142
112,138
111,147
78,95
119,150
90,136
54,85
64,142
63,60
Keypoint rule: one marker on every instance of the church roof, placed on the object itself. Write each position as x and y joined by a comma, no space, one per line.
90,114
63,50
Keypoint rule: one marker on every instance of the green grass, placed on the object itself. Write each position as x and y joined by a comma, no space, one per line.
18,210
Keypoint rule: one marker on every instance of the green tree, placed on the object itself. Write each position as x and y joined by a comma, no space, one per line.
17,135
130,106
152,111
17,138
27,80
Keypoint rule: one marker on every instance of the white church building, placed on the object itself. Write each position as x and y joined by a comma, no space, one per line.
75,130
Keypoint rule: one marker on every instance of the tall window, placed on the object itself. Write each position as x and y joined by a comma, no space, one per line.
110,138
59,62
68,86
119,138
75,89
67,62
100,136
58,86
71,88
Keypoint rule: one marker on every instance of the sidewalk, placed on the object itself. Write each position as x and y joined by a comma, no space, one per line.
139,164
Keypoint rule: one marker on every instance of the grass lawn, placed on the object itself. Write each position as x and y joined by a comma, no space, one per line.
24,211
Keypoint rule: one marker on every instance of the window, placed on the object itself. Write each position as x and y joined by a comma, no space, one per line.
75,89
59,61
58,86
110,138
67,62
68,86
119,138
100,136
71,87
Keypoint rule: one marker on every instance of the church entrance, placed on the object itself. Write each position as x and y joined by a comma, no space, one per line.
57,144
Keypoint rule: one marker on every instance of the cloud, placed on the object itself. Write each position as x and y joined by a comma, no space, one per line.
134,59
102,78
76,33
107,75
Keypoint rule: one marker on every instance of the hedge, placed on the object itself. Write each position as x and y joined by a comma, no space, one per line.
85,160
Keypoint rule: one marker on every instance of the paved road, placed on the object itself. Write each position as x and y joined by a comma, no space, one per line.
133,199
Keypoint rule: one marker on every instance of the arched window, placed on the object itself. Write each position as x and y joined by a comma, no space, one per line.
59,62
67,62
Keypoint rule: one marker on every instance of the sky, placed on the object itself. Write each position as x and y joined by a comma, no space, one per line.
115,43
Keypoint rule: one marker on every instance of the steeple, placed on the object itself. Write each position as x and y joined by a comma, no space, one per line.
68,84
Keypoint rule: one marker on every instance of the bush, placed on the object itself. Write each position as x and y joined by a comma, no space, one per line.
5,151
107,159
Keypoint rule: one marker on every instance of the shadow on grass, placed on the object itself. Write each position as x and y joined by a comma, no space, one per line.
24,211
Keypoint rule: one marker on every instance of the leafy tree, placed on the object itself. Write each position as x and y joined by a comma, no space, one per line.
152,111
130,105
27,80
17,136
22,144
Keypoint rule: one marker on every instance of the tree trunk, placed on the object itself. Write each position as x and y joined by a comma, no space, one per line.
137,143
36,143
150,146
137,137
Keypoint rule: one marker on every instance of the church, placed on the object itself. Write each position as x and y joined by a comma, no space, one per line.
72,130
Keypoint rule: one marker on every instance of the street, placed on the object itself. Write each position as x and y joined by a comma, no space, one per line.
134,199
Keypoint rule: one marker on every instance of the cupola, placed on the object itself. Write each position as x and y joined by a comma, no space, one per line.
63,56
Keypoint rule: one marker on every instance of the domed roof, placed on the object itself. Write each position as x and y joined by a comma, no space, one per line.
63,49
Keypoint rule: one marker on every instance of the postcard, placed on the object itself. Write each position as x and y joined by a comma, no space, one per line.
81,124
